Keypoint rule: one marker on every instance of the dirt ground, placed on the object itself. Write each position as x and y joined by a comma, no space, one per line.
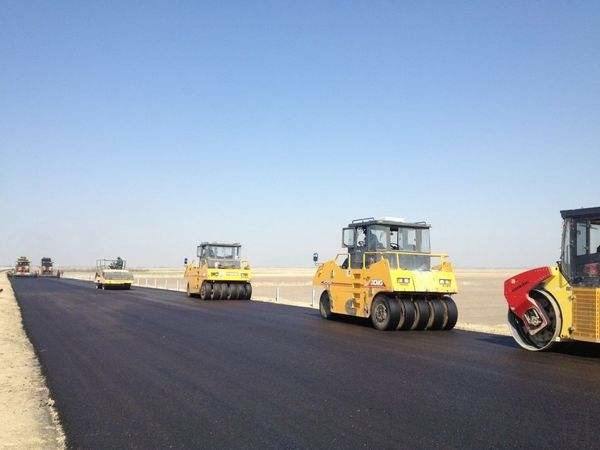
27,419
480,300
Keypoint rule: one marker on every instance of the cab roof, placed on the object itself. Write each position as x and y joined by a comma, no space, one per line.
387,221
581,213
221,244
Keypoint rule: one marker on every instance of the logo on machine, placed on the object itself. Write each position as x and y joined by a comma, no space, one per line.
375,283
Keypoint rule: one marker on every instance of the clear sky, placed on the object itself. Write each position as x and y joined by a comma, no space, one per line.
141,128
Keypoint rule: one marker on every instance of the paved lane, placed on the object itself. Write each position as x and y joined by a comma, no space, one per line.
148,368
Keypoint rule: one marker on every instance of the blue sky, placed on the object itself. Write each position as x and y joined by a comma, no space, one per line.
141,128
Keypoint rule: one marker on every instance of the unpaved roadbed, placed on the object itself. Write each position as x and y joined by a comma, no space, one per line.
27,419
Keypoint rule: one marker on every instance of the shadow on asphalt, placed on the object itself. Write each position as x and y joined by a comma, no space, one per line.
579,349
496,339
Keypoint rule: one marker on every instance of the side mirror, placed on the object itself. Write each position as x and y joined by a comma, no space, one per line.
315,258
185,261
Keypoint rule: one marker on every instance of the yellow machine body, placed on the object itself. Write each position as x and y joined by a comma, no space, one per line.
579,308
219,273
112,274
561,302
388,268
352,290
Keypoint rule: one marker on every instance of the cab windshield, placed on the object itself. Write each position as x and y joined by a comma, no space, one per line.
219,252
581,251
410,239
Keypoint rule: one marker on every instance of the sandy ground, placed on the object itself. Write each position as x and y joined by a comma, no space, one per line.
480,300
27,419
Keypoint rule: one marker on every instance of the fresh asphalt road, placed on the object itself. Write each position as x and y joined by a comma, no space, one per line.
153,369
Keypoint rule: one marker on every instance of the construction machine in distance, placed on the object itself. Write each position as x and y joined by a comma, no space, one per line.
113,274
560,302
389,275
219,273
47,268
22,268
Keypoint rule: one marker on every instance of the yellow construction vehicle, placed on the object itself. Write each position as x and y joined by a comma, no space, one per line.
23,268
219,274
389,275
560,302
112,274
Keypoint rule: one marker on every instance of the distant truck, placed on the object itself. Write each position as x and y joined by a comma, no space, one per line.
23,268
47,268
112,274
219,274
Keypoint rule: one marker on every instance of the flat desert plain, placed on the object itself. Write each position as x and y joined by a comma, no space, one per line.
480,299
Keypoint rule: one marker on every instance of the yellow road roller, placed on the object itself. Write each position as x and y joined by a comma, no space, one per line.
219,273
388,274
560,302
113,274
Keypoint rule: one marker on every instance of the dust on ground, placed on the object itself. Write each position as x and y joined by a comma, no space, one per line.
27,418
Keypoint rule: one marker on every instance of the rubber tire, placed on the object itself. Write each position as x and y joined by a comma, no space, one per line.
408,315
247,291
241,290
422,319
325,306
451,313
393,313
233,291
439,317
98,285
226,291
216,291
205,291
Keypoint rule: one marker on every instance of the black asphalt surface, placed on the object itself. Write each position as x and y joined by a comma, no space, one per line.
153,369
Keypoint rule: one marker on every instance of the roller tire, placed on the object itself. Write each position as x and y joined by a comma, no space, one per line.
439,315
247,291
216,291
206,291
234,292
408,315
422,318
385,313
226,291
545,339
451,313
325,306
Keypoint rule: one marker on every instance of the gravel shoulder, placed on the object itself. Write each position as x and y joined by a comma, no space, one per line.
27,418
